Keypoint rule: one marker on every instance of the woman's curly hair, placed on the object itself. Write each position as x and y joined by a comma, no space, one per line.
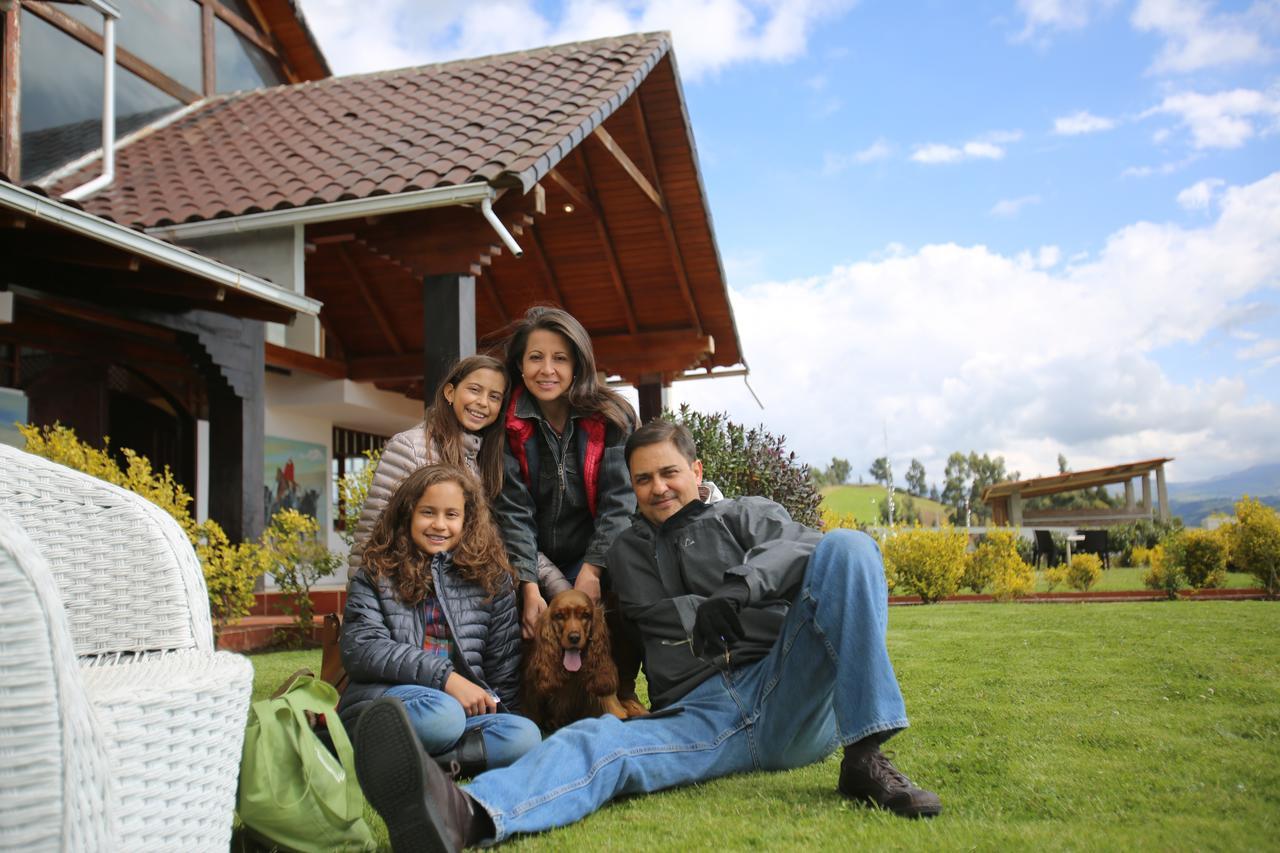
480,556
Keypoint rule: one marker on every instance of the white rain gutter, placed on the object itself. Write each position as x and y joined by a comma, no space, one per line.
109,15
144,246
462,194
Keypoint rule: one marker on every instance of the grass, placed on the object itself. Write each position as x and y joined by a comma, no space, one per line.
857,500
1119,579
1101,726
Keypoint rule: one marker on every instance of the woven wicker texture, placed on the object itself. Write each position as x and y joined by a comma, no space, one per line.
128,575
174,728
53,765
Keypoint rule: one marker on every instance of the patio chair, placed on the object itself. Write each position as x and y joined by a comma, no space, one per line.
120,726
1046,548
1095,542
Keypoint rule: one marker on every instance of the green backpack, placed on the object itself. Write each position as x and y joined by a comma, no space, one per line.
293,793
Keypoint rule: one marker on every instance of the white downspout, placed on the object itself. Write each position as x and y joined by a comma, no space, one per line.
108,113
486,207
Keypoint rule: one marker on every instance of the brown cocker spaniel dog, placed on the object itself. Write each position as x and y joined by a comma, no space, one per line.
569,673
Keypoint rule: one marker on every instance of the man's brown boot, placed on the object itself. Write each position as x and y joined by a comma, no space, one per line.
867,775
422,807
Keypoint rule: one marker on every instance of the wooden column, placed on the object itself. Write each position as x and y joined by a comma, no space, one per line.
653,398
1162,493
10,90
1146,494
448,325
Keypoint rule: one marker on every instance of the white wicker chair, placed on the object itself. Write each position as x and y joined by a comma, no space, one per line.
120,726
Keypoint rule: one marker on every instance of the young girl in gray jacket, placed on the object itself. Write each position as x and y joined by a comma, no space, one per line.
431,620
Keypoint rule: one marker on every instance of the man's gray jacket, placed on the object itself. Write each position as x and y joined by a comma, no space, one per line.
663,573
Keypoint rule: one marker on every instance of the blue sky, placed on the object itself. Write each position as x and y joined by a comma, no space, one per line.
1020,227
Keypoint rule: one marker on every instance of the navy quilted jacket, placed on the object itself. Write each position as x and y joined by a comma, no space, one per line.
382,639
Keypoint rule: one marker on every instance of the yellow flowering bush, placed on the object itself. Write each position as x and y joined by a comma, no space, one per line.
1085,570
996,563
297,559
1163,573
1202,558
1255,543
927,563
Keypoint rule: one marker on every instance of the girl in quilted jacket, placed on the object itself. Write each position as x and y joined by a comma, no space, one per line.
565,491
462,428
431,620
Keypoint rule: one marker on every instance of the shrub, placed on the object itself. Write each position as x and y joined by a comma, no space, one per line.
745,461
297,559
927,563
353,490
1255,543
1201,556
1163,574
996,563
1056,576
1140,556
1145,533
230,571
1085,570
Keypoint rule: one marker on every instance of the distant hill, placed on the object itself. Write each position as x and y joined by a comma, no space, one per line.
1258,481
864,503
1194,511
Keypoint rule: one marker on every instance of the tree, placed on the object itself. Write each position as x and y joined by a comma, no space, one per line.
916,478
986,471
934,495
881,470
955,488
838,471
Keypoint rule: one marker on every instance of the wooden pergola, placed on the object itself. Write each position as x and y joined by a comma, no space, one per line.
1006,499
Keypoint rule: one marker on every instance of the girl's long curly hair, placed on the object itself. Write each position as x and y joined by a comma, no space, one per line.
392,554
586,393
444,431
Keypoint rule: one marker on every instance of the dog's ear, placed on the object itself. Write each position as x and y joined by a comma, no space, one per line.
602,673
544,670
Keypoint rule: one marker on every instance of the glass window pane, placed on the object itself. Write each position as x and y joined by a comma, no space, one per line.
241,64
163,33
61,110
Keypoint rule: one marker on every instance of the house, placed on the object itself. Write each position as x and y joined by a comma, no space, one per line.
398,219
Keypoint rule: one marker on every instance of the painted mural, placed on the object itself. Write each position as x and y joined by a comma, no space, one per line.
297,477
13,411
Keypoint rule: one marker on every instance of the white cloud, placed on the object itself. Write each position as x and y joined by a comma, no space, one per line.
985,147
1040,16
1081,122
1265,351
1226,119
709,35
1199,195
1163,169
1012,206
833,163
1197,38
960,347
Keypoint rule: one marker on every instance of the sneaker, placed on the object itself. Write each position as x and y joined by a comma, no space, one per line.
868,776
422,807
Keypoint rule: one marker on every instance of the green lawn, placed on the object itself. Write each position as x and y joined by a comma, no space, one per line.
1117,579
1102,726
858,500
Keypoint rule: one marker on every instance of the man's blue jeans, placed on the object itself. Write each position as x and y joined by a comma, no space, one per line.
439,721
827,682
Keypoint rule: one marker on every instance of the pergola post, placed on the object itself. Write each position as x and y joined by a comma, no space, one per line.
448,325
1146,494
1162,493
1128,495
1015,509
653,397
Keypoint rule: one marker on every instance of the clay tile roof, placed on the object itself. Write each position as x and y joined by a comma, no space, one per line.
506,119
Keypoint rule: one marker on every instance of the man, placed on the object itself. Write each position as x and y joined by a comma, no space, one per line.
763,647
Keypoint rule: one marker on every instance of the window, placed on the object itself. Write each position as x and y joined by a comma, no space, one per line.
239,63
166,34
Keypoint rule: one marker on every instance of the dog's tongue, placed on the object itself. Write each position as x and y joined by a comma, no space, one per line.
572,660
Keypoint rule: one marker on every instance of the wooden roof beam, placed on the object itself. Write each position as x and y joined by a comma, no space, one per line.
668,228
539,254
362,286
628,165
606,242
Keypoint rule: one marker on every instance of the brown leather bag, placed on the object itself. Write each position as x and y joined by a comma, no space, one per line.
331,668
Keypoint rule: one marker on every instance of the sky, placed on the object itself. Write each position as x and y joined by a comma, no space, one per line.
1015,227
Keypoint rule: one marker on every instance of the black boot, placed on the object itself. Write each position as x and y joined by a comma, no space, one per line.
467,758
867,775
422,807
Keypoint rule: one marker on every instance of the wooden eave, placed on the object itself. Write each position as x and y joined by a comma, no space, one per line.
298,46
1073,480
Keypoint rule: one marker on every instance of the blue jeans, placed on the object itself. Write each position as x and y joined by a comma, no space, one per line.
439,721
826,682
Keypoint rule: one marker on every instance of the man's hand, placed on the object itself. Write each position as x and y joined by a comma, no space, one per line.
589,581
534,604
716,626
473,698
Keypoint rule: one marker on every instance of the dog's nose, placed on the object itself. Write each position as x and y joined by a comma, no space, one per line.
575,637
